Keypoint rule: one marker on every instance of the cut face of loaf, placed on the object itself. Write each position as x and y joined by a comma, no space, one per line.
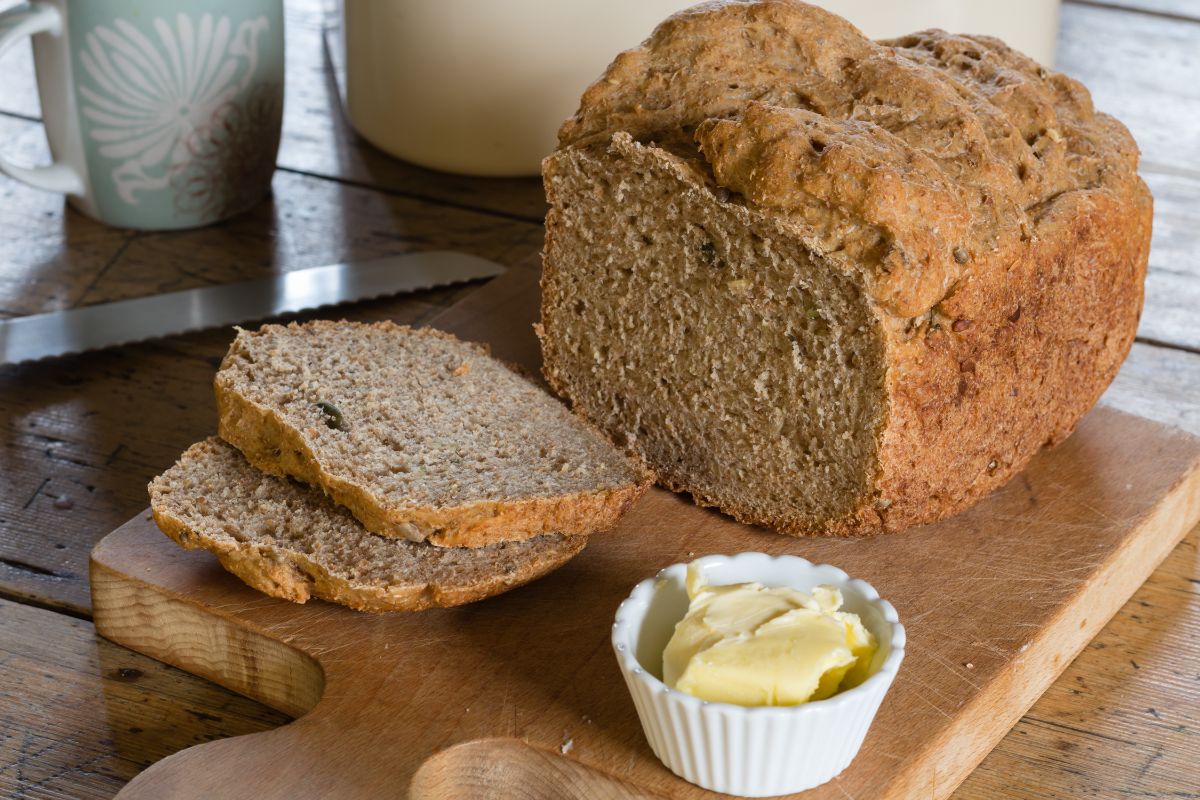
715,345
289,541
421,436
837,286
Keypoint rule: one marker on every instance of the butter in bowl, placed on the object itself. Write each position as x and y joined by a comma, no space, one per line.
756,675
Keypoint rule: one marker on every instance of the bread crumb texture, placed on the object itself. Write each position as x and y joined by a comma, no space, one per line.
289,541
831,285
420,435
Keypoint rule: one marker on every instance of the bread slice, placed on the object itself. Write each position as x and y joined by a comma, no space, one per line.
837,286
289,541
421,436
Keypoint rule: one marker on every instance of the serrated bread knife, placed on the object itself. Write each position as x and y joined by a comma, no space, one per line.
126,321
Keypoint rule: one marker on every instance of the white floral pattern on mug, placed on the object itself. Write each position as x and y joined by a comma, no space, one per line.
156,106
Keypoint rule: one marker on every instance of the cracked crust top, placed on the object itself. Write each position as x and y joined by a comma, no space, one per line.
910,159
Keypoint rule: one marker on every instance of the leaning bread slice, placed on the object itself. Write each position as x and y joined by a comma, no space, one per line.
420,435
289,541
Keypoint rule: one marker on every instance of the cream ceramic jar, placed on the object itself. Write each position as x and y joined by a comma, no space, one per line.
1030,26
480,86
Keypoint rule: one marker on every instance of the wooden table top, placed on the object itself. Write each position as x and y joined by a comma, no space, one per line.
81,436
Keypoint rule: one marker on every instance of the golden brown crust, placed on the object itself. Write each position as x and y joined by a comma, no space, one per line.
1012,360
997,220
276,448
850,187
907,160
291,576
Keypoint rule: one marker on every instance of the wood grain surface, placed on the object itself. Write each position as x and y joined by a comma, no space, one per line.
1186,10
82,436
1136,68
996,601
80,716
1102,726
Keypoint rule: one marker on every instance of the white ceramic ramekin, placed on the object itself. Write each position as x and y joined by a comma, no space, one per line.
759,751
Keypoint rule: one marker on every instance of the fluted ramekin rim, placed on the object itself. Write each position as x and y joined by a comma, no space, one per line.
633,609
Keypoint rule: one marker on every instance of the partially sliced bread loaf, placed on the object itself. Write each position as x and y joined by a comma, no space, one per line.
832,285
420,435
289,541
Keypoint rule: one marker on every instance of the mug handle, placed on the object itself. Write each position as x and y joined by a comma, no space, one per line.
16,23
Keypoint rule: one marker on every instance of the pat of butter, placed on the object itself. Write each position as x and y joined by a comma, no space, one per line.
756,646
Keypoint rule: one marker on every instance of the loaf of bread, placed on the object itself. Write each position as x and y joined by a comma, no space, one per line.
421,436
830,285
289,541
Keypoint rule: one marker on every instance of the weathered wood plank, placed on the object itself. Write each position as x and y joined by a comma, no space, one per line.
82,436
1181,9
1159,383
47,257
1172,311
80,716
1121,720
18,91
308,222
55,257
1141,69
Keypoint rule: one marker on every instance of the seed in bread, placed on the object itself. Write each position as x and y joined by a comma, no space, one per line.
289,541
835,286
420,435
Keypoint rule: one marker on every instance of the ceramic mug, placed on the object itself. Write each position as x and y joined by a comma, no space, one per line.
158,115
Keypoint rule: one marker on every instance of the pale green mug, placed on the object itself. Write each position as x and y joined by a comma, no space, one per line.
159,115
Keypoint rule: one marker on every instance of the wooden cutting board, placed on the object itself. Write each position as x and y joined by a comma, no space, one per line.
520,696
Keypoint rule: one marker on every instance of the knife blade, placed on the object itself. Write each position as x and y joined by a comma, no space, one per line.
103,325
